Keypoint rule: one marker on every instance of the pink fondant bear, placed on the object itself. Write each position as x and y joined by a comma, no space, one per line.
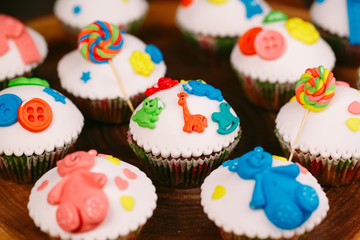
82,203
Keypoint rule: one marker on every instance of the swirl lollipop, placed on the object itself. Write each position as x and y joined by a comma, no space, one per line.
98,43
314,91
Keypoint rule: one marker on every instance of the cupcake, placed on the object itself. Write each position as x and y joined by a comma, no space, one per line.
257,196
217,24
339,27
38,126
328,145
92,196
92,81
183,131
74,15
268,59
22,50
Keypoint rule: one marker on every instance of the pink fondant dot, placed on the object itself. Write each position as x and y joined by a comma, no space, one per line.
342,83
302,169
43,185
129,174
354,107
122,184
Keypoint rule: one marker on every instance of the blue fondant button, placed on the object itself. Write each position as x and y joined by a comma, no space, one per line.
155,53
9,104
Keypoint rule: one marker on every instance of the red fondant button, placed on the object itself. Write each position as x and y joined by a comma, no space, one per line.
270,44
246,41
35,115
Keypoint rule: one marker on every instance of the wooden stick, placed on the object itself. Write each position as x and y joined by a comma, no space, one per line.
121,85
298,134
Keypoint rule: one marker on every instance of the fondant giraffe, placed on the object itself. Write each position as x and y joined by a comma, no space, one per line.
195,122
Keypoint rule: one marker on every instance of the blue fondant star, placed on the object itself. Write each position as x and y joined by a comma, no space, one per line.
77,9
56,95
85,76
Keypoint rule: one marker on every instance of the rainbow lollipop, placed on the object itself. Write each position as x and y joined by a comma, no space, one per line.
314,91
98,43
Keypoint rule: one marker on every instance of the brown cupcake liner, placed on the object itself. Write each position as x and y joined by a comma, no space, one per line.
107,110
28,169
327,171
130,236
271,96
233,236
181,172
346,54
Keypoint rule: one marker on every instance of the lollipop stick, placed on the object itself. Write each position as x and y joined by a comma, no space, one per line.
121,85
298,134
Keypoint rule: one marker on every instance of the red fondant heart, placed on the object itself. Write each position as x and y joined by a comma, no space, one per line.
354,107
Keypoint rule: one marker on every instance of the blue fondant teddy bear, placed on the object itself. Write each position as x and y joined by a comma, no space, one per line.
197,87
286,202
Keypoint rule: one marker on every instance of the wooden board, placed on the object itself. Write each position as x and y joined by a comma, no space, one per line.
179,214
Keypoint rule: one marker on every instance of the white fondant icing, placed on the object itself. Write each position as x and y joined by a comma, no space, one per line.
103,83
297,57
114,11
331,15
227,19
118,221
233,214
11,63
168,137
66,125
325,132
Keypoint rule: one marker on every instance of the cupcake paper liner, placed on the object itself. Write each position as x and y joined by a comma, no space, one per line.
327,171
271,96
181,172
108,110
233,236
27,169
222,45
131,236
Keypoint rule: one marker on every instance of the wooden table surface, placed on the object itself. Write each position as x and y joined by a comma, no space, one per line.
179,214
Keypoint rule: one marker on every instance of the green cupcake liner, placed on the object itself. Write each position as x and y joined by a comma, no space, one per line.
181,172
28,169
107,110
271,96
222,45
233,236
328,171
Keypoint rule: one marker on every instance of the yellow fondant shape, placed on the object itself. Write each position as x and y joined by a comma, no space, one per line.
113,160
353,123
218,1
279,158
127,202
141,63
219,192
302,30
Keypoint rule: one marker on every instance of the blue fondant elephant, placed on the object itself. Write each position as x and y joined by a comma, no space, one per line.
286,202
197,87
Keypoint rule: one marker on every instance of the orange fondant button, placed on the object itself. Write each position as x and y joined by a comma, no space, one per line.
270,44
35,115
246,41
